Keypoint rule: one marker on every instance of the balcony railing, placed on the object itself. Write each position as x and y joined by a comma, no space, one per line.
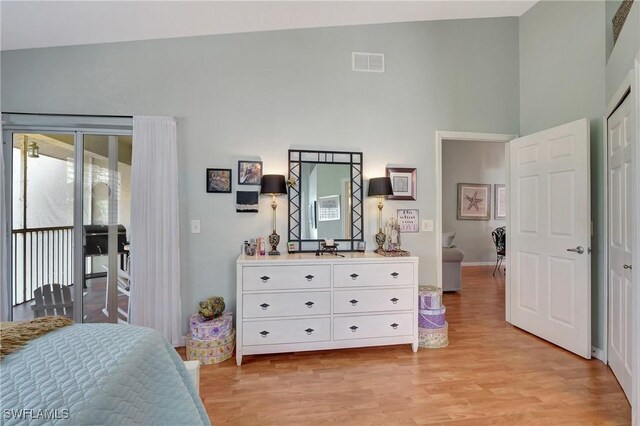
41,256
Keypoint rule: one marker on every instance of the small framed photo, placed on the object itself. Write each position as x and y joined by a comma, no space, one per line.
219,180
249,172
474,201
403,182
362,246
500,202
291,247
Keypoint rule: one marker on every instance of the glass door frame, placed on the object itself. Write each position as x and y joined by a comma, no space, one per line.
79,126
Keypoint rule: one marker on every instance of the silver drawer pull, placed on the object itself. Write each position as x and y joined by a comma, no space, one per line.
309,330
265,278
309,304
264,333
354,302
394,326
627,267
353,276
309,277
264,306
394,275
394,300
353,328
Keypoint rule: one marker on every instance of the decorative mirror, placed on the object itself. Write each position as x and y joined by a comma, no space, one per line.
325,199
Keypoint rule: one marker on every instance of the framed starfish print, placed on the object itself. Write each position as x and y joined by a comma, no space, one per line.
474,201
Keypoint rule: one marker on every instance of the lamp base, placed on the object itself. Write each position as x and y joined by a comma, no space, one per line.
274,240
380,239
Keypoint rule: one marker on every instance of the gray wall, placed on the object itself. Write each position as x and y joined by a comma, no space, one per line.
471,162
562,75
259,94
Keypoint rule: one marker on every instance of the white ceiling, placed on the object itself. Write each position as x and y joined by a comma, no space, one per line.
29,24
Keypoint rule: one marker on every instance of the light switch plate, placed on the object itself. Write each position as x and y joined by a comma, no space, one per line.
427,225
195,226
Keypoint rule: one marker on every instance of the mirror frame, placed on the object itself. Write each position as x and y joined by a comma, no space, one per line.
297,157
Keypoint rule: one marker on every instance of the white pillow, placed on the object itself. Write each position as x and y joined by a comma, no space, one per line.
447,239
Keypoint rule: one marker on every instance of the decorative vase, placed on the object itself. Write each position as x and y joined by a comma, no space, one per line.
274,240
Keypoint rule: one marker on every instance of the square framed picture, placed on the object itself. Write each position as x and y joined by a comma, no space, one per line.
219,180
249,172
500,202
328,208
409,220
247,201
474,201
403,181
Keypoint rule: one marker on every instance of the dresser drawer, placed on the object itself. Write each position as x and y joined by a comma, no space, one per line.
368,326
373,274
355,301
286,277
272,332
266,305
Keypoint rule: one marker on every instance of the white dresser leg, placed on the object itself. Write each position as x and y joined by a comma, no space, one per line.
238,358
414,346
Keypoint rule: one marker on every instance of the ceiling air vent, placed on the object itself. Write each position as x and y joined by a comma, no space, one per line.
367,62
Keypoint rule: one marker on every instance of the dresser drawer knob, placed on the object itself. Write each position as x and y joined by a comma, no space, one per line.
309,277
264,306
309,304
309,330
265,278
394,275
394,326
353,276
353,328
354,302
264,333
394,300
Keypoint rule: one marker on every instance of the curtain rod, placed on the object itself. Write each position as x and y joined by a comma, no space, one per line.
68,115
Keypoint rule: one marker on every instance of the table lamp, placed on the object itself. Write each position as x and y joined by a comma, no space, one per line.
380,187
273,185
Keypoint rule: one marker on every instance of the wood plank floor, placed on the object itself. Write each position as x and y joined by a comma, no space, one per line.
491,373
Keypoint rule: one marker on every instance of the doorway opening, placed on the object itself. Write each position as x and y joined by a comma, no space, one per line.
472,185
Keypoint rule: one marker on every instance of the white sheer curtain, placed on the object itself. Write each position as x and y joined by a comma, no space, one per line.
5,308
155,252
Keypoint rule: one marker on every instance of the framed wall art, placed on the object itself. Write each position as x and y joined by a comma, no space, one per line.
500,202
403,181
247,201
409,220
474,201
219,180
249,172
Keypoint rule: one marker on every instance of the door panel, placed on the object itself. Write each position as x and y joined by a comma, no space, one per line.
620,225
550,214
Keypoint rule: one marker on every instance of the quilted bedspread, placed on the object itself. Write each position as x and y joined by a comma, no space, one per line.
98,374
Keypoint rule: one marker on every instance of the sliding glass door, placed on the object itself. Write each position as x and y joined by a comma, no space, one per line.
69,207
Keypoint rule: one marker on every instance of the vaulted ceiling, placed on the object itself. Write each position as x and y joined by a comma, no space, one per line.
32,24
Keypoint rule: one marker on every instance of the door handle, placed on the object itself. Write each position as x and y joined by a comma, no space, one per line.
578,250
627,267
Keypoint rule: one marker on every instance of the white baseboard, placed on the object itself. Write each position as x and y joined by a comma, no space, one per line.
597,353
478,263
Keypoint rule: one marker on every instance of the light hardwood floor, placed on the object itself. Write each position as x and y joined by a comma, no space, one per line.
491,373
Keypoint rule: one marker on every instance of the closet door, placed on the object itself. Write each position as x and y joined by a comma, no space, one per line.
620,136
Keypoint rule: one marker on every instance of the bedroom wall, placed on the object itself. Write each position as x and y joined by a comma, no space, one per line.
562,79
471,162
254,96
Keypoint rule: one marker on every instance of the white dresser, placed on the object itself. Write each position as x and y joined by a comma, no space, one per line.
303,302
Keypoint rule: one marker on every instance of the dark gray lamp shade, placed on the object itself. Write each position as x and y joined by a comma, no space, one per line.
380,186
273,184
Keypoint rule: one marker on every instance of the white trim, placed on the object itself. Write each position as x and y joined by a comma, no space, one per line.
597,353
473,137
478,263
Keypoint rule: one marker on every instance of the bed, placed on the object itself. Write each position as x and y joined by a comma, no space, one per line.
98,374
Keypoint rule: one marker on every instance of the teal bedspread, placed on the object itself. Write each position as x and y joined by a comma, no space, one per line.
98,374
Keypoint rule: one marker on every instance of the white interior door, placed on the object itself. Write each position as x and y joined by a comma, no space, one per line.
550,233
619,130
